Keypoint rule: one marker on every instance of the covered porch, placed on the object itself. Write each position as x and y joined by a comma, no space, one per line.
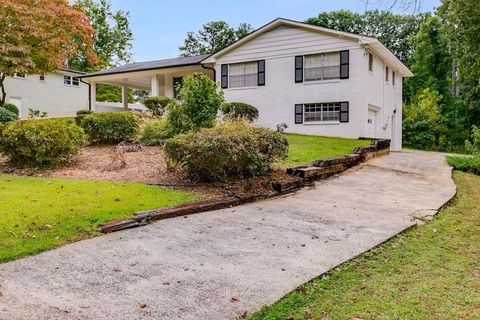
158,78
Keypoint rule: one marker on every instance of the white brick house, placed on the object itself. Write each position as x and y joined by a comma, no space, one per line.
316,80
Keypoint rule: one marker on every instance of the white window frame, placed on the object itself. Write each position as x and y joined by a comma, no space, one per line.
72,81
322,57
323,116
244,74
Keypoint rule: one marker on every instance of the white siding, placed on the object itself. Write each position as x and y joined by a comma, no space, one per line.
387,98
50,96
276,100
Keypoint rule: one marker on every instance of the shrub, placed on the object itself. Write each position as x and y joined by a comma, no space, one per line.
474,146
13,108
465,163
110,127
81,114
157,105
154,133
35,114
231,149
84,112
7,116
41,142
240,110
201,101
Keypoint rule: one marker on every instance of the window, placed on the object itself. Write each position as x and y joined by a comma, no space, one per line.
19,75
386,74
325,66
320,112
41,77
243,74
68,80
177,85
393,78
370,62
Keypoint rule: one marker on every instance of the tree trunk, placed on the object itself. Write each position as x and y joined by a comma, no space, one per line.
4,94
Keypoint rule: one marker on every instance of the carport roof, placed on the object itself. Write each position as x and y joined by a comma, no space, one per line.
150,65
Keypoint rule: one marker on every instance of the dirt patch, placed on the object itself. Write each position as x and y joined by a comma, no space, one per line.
147,165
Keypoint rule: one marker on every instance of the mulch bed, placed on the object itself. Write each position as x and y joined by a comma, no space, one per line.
147,165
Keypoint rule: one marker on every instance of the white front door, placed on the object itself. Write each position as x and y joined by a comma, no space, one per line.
371,132
18,102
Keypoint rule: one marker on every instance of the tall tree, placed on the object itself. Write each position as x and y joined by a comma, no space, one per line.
213,37
113,38
431,61
462,21
394,30
34,38
112,44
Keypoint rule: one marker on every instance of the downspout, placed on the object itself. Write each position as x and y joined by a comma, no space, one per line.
214,73
89,94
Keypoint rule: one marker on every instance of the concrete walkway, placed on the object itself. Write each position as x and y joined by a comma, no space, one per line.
190,268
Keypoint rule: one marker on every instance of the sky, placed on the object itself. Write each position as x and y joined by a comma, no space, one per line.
160,26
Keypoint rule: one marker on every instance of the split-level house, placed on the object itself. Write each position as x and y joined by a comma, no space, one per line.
316,80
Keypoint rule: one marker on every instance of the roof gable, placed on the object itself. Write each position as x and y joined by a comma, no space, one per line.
372,43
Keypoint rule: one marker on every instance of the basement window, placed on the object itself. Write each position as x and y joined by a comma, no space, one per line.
321,112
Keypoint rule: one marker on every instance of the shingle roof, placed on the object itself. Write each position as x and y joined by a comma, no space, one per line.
151,65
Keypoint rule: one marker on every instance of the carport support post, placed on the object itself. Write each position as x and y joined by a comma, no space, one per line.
93,96
125,97
154,86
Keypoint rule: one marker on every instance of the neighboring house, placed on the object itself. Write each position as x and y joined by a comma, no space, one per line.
59,93
316,80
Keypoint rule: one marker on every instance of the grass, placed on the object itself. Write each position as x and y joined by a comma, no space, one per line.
468,163
38,214
428,272
304,149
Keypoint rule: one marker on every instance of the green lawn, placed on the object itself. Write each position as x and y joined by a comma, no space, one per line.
429,272
304,149
37,214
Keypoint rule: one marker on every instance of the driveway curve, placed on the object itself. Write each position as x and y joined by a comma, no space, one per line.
221,264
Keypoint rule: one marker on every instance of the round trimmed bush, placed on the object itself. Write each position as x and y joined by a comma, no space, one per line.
157,105
7,116
81,114
154,133
11,107
110,127
231,149
240,110
41,142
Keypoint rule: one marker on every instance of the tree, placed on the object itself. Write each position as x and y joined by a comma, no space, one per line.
431,61
462,22
113,38
213,37
34,38
423,121
393,30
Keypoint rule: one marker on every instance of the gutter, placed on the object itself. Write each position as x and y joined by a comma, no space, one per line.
213,69
89,94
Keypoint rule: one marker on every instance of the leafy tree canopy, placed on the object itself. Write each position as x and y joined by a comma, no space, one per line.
34,39
113,38
394,30
213,37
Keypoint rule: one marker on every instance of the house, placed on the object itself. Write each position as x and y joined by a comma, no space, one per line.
316,80
59,93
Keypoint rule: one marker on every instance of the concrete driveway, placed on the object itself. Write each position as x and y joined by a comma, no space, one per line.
191,268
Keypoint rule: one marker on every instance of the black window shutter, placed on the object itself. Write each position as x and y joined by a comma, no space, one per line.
224,76
298,113
344,64
261,73
298,69
344,117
